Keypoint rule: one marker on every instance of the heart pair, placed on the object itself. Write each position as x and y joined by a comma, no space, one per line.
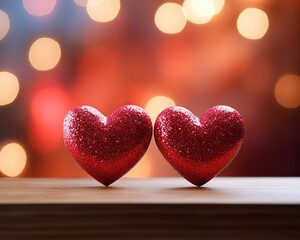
198,148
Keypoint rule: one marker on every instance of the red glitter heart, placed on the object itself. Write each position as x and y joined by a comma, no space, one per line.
199,148
107,148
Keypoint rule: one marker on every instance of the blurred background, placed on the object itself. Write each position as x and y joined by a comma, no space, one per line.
55,55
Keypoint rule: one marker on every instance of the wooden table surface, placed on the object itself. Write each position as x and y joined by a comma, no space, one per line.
220,190
157,208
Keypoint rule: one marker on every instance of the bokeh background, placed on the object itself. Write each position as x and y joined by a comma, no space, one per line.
55,55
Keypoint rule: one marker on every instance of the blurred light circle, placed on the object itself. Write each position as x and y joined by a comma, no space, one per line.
103,10
4,24
81,3
219,4
39,7
48,107
44,54
287,91
199,12
253,23
156,105
169,18
12,159
204,7
9,88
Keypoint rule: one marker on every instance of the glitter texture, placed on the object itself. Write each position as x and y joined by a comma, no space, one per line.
107,148
199,148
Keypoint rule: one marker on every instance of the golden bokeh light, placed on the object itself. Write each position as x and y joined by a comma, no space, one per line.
156,105
253,23
39,8
169,18
143,168
219,4
199,12
103,10
287,91
12,159
4,24
44,54
9,88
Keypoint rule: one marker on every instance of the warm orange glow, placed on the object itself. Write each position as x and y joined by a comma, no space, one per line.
143,169
4,24
99,69
81,3
169,18
253,23
287,91
9,88
38,7
199,12
103,10
12,159
47,111
157,104
176,61
44,54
